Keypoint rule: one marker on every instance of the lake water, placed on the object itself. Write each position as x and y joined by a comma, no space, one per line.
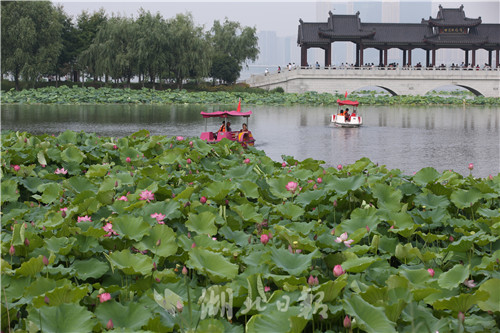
406,138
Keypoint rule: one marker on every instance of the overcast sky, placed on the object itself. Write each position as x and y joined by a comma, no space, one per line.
280,16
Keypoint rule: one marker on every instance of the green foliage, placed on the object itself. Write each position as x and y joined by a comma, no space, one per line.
411,260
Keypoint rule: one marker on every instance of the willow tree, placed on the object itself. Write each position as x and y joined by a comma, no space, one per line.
189,53
31,39
114,50
152,45
233,45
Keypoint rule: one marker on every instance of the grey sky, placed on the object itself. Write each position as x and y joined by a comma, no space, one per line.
279,16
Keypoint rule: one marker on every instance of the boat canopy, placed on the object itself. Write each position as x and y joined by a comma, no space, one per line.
224,114
347,102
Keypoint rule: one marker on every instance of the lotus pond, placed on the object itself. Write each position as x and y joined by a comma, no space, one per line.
159,234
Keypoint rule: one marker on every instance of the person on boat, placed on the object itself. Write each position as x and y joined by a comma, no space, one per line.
228,127
222,128
341,112
243,131
347,114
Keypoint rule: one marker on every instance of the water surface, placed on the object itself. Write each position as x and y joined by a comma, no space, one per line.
406,138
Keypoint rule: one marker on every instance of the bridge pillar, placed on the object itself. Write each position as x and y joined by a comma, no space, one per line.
409,58
404,59
380,58
357,56
473,58
361,61
497,60
385,57
427,58
490,53
434,58
466,58
303,56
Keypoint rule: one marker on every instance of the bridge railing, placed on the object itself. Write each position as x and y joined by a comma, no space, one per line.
411,68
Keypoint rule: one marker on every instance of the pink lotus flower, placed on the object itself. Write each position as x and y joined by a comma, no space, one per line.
348,243
16,167
291,187
110,325
147,195
180,138
347,322
190,143
188,161
469,283
184,270
283,164
266,289
431,272
179,306
471,166
115,147
264,239
104,297
333,232
122,198
312,281
339,166
342,238
64,209
159,217
338,270
319,180
193,245
490,177
109,229
203,200
128,160
246,161
61,171
84,218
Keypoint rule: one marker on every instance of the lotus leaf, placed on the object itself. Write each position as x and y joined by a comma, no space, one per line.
292,263
452,278
368,317
63,318
131,263
217,267
130,316
91,268
492,303
131,227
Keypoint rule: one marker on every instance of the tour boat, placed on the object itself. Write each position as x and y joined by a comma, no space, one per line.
352,119
244,137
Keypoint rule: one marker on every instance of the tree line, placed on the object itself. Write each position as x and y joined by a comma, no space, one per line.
40,40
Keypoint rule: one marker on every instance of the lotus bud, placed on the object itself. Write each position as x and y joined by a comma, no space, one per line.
264,239
335,203
246,161
283,164
431,272
157,280
333,231
187,204
12,250
63,214
116,183
46,300
179,306
490,177
154,266
188,161
184,270
338,270
189,234
312,281
347,322
45,261
471,166
367,228
26,242
193,245
203,200
461,317
190,143
158,242
109,325
115,147
339,167
128,160
451,239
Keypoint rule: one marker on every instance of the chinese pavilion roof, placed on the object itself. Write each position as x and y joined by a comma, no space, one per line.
452,17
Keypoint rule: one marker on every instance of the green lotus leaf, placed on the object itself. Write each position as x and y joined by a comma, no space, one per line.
461,245
80,184
168,157
277,321
9,190
61,245
216,266
387,197
421,293
131,263
203,223
465,198
91,268
67,137
358,265
248,213
130,316
249,189
277,186
426,176
488,212
368,317
72,154
487,262
42,285
31,183
131,227
430,238
453,277
492,303
168,301
161,233
97,170
51,192
61,295
218,191
31,267
63,318
290,211
361,218
430,200
344,185
41,158
309,198
332,289
461,303
292,263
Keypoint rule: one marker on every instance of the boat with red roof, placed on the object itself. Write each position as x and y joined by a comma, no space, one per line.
345,117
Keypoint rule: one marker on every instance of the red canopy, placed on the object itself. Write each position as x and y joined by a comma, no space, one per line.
347,102
224,114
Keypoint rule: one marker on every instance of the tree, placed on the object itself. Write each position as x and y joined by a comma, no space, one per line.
31,39
189,52
225,68
231,41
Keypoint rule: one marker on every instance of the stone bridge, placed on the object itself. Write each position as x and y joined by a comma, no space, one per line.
397,81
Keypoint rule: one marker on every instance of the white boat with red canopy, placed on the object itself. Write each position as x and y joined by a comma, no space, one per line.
346,117
243,136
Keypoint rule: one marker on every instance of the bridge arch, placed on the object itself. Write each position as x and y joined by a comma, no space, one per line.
466,87
384,88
